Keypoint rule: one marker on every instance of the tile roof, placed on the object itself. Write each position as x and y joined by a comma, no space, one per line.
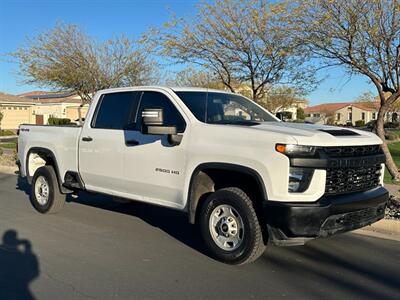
332,107
52,97
7,98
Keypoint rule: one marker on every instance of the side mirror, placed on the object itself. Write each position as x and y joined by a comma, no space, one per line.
153,122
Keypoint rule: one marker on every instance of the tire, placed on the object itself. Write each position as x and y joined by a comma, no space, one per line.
230,227
45,194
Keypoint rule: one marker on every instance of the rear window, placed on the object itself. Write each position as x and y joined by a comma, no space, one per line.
115,111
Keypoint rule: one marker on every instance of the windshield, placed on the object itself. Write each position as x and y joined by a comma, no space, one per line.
221,108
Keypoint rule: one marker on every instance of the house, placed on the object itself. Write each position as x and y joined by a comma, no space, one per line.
289,113
37,107
57,105
16,110
343,113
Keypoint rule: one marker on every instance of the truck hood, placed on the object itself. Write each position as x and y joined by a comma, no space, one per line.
321,135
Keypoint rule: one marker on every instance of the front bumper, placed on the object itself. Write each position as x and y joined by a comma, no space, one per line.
296,223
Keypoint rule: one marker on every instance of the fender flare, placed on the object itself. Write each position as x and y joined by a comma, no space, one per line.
53,157
197,187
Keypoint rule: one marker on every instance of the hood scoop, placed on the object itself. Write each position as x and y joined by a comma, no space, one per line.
339,132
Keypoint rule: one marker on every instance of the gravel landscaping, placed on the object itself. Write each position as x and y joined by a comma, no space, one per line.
7,160
393,209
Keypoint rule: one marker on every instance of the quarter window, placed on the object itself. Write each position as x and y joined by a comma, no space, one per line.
115,110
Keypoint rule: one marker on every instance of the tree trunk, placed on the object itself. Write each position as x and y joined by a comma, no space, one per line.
380,131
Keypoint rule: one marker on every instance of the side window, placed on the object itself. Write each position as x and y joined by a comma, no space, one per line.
116,110
172,117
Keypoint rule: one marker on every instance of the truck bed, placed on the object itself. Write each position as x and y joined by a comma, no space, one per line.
62,141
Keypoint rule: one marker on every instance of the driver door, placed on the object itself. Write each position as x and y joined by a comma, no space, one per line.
154,168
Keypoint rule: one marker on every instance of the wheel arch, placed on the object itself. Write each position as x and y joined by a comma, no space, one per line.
201,183
48,156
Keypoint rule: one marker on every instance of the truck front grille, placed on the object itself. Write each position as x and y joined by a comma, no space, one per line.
349,180
353,151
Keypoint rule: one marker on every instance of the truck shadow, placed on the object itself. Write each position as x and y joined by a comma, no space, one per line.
173,222
19,266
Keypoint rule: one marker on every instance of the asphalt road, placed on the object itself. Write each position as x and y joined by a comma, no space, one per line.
98,248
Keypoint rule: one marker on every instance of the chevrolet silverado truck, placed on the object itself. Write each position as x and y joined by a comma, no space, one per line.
245,177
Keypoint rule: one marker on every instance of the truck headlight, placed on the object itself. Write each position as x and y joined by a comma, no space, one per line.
295,150
299,179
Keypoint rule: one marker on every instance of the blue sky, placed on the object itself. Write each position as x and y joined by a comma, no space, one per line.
20,19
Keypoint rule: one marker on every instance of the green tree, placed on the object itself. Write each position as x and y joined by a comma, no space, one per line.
300,113
66,58
363,37
1,118
242,42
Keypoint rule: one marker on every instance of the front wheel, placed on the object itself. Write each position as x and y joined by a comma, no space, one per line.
45,195
230,227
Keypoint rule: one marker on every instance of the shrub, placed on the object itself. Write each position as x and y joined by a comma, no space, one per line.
300,114
391,136
359,123
392,125
1,152
59,121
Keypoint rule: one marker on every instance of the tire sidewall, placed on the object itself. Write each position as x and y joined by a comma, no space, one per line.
244,250
47,174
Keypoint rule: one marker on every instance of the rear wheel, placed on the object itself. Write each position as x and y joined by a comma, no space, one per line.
230,227
45,195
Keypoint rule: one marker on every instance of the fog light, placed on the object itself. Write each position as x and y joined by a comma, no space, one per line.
299,179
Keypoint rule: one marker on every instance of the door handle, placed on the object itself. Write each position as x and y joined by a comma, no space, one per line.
131,142
87,139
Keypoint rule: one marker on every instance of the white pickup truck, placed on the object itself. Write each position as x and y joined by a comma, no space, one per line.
239,172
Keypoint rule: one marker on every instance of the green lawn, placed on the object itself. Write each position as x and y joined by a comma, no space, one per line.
5,132
395,150
396,132
8,146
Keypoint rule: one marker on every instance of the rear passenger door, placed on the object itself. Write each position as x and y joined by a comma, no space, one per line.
102,143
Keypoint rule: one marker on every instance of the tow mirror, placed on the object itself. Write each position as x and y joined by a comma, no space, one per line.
153,122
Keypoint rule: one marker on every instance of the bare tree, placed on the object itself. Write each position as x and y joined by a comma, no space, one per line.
244,42
279,98
66,58
364,37
196,78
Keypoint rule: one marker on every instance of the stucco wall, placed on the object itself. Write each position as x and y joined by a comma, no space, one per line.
14,115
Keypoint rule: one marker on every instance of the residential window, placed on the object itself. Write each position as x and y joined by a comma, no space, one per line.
373,115
114,110
363,116
350,116
317,115
338,116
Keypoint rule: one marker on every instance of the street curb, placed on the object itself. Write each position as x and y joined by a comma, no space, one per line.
386,229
